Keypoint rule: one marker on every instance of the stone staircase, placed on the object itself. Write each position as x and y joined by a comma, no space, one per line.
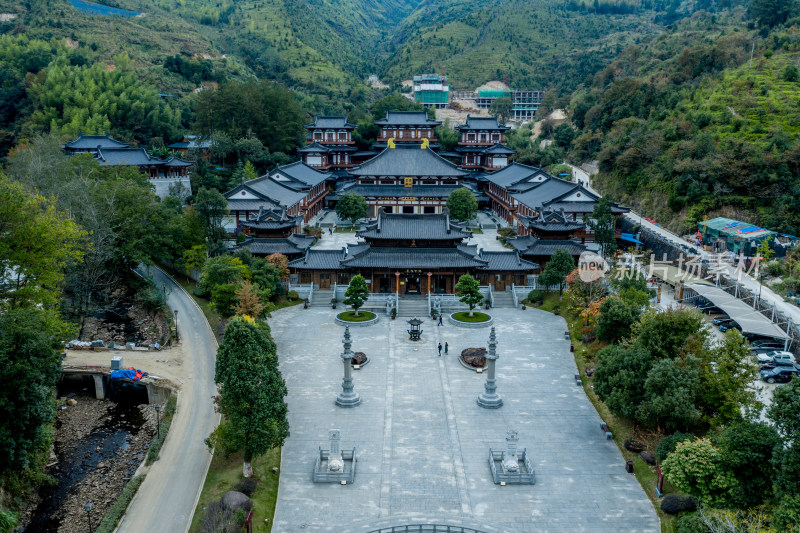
503,299
322,298
413,306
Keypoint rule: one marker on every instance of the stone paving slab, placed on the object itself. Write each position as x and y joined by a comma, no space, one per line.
422,442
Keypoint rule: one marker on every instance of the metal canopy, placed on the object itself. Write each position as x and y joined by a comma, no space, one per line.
748,318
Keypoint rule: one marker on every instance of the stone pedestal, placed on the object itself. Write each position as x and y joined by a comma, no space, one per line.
490,399
348,397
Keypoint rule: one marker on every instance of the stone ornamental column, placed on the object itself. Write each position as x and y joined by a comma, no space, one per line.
348,397
490,399
510,461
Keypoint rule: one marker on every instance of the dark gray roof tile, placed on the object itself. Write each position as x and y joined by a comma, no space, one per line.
408,161
423,227
406,118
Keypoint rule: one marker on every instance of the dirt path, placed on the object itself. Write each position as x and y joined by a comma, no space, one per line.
164,364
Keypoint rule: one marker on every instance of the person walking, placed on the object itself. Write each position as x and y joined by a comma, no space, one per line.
440,349
446,348
330,230
440,320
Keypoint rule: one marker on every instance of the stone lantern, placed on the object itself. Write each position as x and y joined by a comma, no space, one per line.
490,399
348,397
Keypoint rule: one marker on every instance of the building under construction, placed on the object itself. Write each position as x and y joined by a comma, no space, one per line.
432,90
526,103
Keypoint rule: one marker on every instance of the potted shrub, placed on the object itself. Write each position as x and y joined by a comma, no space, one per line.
305,303
556,309
333,303
487,303
523,307
394,313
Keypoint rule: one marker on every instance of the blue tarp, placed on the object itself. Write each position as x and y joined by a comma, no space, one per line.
630,238
130,373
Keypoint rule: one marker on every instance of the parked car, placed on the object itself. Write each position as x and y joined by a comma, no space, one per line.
710,309
777,362
771,357
720,319
779,374
767,348
766,342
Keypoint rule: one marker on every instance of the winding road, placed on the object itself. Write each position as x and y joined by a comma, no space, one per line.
166,500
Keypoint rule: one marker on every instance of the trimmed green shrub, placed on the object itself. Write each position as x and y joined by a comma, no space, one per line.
674,504
535,296
690,523
668,443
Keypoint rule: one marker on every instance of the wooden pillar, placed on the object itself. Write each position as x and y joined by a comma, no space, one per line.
397,283
429,281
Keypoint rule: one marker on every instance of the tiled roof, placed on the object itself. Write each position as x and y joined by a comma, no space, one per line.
312,148
533,246
406,118
482,123
499,149
302,173
291,246
177,162
431,258
126,157
91,142
407,161
513,174
507,261
271,195
274,219
424,227
419,191
322,122
551,220
319,260
545,192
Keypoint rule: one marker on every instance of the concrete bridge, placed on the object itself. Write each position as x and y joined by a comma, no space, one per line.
101,376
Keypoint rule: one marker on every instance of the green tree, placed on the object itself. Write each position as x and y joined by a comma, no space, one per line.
221,270
351,206
771,12
747,449
616,320
251,397
37,243
194,258
727,380
557,269
224,298
469,290
30,340
672,333
602,222
356,293
786,461
462,204
502,108
211,208
249,171
619,378
791,74
563,135
697,468
784,411
671,391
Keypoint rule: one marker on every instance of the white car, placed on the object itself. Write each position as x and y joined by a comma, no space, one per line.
773,357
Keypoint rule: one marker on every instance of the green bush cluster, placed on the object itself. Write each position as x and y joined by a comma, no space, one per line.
166,421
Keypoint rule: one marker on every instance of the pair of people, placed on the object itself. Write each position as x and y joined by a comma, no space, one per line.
446,348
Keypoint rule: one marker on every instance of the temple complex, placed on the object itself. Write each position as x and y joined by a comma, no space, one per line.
412,254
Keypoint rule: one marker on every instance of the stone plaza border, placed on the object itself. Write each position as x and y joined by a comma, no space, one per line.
370,322
470,325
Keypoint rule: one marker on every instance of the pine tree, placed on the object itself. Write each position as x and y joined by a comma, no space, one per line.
356,293
469,290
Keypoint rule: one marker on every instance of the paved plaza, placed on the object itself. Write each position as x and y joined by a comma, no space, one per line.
486,241
422,442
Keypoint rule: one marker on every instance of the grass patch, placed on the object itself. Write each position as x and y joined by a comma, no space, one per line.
349,229
166,421
226,472
463,316
283,302
111,519
549,302
350,316
476,231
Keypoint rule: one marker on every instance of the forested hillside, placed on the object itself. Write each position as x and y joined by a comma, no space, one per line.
688,126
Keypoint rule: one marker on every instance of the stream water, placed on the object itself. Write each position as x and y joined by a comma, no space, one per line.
109,437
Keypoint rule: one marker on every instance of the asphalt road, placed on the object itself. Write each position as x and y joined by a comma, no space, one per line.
166,500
